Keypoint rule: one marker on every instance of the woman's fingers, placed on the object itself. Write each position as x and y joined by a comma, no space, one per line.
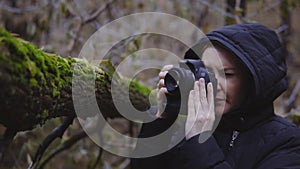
161,83
166,68
161,93
191,117
161,99
164,71
191,104
201,115
202,93
162,74
196,97
210,96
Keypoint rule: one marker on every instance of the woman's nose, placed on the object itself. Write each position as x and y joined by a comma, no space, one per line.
219,86
220,83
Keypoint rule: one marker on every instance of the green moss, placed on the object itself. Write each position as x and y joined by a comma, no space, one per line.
33,72
34,67
43,116
137,86
41,83
33,83
45,113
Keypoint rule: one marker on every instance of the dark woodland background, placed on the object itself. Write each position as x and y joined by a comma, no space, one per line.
63,26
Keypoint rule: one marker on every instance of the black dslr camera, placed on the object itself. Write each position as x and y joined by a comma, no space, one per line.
179,81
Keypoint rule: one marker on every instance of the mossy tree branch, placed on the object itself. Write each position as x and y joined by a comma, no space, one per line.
36,86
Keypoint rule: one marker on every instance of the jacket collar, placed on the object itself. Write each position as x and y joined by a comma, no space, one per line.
242,120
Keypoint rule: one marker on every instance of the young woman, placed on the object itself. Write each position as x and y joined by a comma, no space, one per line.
252,74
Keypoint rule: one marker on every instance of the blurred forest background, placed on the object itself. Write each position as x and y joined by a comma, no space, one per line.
63,26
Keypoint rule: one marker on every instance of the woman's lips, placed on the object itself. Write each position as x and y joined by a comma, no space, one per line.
220,102
219,99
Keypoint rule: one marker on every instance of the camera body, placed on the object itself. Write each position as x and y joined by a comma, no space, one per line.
179,81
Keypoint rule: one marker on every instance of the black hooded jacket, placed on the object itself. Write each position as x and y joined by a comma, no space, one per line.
252,137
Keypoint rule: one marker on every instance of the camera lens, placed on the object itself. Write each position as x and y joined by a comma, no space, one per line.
179,81
176,77
172,80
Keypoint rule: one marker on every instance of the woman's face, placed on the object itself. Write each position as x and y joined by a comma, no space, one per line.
233,79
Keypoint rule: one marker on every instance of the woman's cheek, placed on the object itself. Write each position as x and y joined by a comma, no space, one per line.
220,108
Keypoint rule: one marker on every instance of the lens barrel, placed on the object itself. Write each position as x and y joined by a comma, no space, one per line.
179,79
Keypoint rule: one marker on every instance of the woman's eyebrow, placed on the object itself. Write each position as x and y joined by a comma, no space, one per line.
220,69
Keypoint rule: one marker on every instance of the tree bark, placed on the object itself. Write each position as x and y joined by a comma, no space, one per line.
36,86
285,17
237,8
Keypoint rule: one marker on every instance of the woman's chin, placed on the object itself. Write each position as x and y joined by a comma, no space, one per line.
220,109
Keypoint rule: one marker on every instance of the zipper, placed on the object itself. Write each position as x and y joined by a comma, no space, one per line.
235,134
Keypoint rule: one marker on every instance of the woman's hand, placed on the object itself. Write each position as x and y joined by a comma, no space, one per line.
162,90
201,113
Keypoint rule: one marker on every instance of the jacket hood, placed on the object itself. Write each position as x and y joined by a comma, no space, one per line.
260,49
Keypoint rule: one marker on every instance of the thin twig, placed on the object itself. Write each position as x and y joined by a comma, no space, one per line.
216,8
203,14
265,9
20,10
98,158
75,36
124,164
282,28
5,142
66,145
57,132
85,20
291,101
94,15
90,128
292,112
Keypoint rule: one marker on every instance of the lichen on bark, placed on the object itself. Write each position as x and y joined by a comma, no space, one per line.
36,86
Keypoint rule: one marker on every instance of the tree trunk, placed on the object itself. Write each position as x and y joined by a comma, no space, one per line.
286,30
36,86
237,8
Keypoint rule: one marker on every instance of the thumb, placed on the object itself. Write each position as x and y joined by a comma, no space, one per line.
161,100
